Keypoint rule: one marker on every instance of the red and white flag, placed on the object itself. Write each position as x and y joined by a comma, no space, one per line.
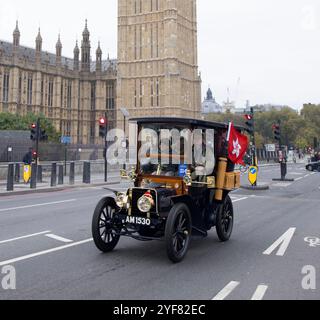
238,145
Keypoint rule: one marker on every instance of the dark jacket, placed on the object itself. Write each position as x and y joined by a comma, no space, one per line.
27,159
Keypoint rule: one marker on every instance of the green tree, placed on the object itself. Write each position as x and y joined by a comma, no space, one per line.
296,130
10,121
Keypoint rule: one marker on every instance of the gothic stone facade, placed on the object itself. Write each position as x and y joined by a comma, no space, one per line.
72,93
156,73
157,58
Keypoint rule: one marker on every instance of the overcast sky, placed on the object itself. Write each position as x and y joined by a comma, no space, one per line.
265,51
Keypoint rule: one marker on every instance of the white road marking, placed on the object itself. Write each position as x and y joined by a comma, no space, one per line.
241,199
298,179
38,205
41,253
283,242
25,237
282,185
226,291
55,237
260,292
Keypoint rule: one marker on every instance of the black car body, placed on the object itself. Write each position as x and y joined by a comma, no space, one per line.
169,206
313,166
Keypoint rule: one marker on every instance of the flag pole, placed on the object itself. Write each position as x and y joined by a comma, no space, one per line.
222,168
229,132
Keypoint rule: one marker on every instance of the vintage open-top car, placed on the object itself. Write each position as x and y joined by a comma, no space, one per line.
182,182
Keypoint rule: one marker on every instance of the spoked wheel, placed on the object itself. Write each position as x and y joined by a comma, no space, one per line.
178,232
103,229
225,219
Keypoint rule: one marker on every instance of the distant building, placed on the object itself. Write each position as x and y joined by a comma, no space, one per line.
210,105
267,107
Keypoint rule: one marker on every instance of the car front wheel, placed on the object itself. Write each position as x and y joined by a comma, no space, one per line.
104,232
178,232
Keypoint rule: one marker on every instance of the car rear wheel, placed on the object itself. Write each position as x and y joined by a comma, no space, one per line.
178,232
225,219
105,234
309,168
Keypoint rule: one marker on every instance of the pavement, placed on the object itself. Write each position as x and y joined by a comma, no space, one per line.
22,188
47,238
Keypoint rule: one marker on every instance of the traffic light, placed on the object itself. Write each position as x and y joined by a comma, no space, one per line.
277,132
34,155
33,132
102,127
43,135
250,123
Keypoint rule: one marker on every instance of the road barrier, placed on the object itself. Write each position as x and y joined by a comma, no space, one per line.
53,175
87,172
17,173
60,174
33,182
10,177
39,174
72,173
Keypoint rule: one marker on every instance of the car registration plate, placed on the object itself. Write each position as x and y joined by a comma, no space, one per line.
138,221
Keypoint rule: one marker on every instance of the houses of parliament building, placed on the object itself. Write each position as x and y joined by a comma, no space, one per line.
72,93
155,74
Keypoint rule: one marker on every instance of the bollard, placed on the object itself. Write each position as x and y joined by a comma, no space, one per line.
39,174
10,177
283,170
60,174
53,174
71,173
33,181
86,173
17,173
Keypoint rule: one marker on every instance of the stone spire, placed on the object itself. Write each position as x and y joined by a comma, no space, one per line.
16,36
86,33
76,54
85,49
99,58
58,50
39,42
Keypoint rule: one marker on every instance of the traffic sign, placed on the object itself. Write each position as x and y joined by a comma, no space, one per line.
253,175
66,140
270,147
183,168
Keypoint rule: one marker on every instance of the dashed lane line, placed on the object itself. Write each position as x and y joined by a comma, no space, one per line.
58,238
226,291
42,253
25,237
38,205
260,292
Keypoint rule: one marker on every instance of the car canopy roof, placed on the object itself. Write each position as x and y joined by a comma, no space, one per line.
184,121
